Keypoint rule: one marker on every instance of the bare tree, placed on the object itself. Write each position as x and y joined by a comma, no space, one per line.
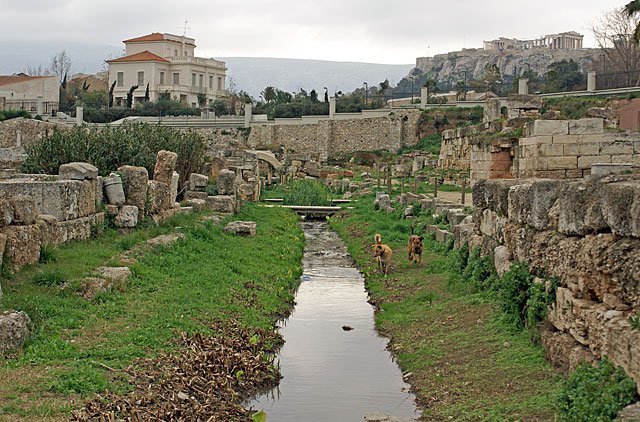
60,64
614,33
35,71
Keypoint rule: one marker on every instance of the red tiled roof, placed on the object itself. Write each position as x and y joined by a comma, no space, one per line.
155,36
13,79
144,56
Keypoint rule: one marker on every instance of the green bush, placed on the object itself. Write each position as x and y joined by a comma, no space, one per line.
108,148
596,393
12,114
47,254
479,271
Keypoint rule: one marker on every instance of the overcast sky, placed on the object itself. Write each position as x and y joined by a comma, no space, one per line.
376,31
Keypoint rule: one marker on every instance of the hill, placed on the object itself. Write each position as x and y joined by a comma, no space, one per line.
253,74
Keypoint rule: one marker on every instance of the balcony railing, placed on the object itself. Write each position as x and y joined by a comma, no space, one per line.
197,60
193,89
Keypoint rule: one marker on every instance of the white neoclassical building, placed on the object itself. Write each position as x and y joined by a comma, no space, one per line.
167,63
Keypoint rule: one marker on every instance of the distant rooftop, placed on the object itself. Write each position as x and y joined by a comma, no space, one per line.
143,56
20,77
157,37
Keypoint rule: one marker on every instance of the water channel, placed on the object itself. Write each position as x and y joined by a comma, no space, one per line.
331,373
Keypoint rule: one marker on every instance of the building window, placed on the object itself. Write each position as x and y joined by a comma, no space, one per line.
193,79
140,78
220,87
200,80
210,82
176,78
175,53
161,78
120,78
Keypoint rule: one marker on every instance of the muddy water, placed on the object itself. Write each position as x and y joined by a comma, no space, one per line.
332,374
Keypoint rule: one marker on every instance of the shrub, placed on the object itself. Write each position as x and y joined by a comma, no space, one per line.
479,271
596,393
47,254
12,114
108,148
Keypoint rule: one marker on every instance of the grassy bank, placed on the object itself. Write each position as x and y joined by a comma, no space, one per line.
464,361
80,348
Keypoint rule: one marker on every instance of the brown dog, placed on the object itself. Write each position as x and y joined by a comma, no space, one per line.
382,253
414,248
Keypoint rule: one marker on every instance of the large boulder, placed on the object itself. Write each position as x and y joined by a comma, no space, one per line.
165,166
14,329
134,182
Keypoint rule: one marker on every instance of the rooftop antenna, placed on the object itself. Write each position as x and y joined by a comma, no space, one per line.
185,28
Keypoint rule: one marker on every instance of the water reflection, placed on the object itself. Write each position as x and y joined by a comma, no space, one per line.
331,374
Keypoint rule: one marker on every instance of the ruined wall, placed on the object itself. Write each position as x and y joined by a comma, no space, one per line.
551,149
15,135
327,137
585,232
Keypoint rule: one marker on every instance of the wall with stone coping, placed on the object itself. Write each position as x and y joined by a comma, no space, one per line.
552,149
587,233
327,137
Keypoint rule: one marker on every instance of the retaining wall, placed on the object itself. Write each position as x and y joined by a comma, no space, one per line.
585,232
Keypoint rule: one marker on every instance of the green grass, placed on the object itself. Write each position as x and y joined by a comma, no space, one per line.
467,363
209,275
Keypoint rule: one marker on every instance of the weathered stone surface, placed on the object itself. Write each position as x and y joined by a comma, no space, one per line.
564,351
23,245
222,203
115,276
530,203
226,183
127,217
14,329
192,194
6,212
242,228
586,126
217,164
165,166
492,225
198,182
197,204
493,194
92,286
630,413
462,234
548,127
24,209
175,180
312,168
502,259
165,239
77,171
579,208
621,207
159,197
113,189
382,202
135,182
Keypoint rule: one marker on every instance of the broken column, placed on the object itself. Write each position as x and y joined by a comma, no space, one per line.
134,183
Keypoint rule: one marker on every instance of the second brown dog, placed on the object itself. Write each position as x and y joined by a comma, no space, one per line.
414,248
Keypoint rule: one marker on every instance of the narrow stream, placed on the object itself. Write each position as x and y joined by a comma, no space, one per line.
332,374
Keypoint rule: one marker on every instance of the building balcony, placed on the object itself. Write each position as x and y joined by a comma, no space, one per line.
198,61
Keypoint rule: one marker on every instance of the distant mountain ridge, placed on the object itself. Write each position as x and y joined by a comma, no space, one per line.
253,74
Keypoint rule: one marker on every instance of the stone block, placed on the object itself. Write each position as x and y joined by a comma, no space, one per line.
531,203
198,182
173,189
492,225
116,276
588,126
134,182
165,166
159,197
24,209
548,127
222,203
587,161
552,150
217,164
493,194
77,171
113,189
23,245
197,204
592,148
127,217
616,148
565,163
226,183
99,194
579,208
192,194
621,207
502,259
14,330
242,228
442,235
531,141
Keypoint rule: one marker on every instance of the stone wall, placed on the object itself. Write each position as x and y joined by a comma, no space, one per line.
15,135
327,137
552,149
585,232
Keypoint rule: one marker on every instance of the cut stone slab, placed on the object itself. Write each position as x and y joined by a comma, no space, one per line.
127,217
24,209
222,203
77,171
242,228
14,329
198,182
226,183
134,183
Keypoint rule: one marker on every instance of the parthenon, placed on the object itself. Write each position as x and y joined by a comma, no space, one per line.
563,41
